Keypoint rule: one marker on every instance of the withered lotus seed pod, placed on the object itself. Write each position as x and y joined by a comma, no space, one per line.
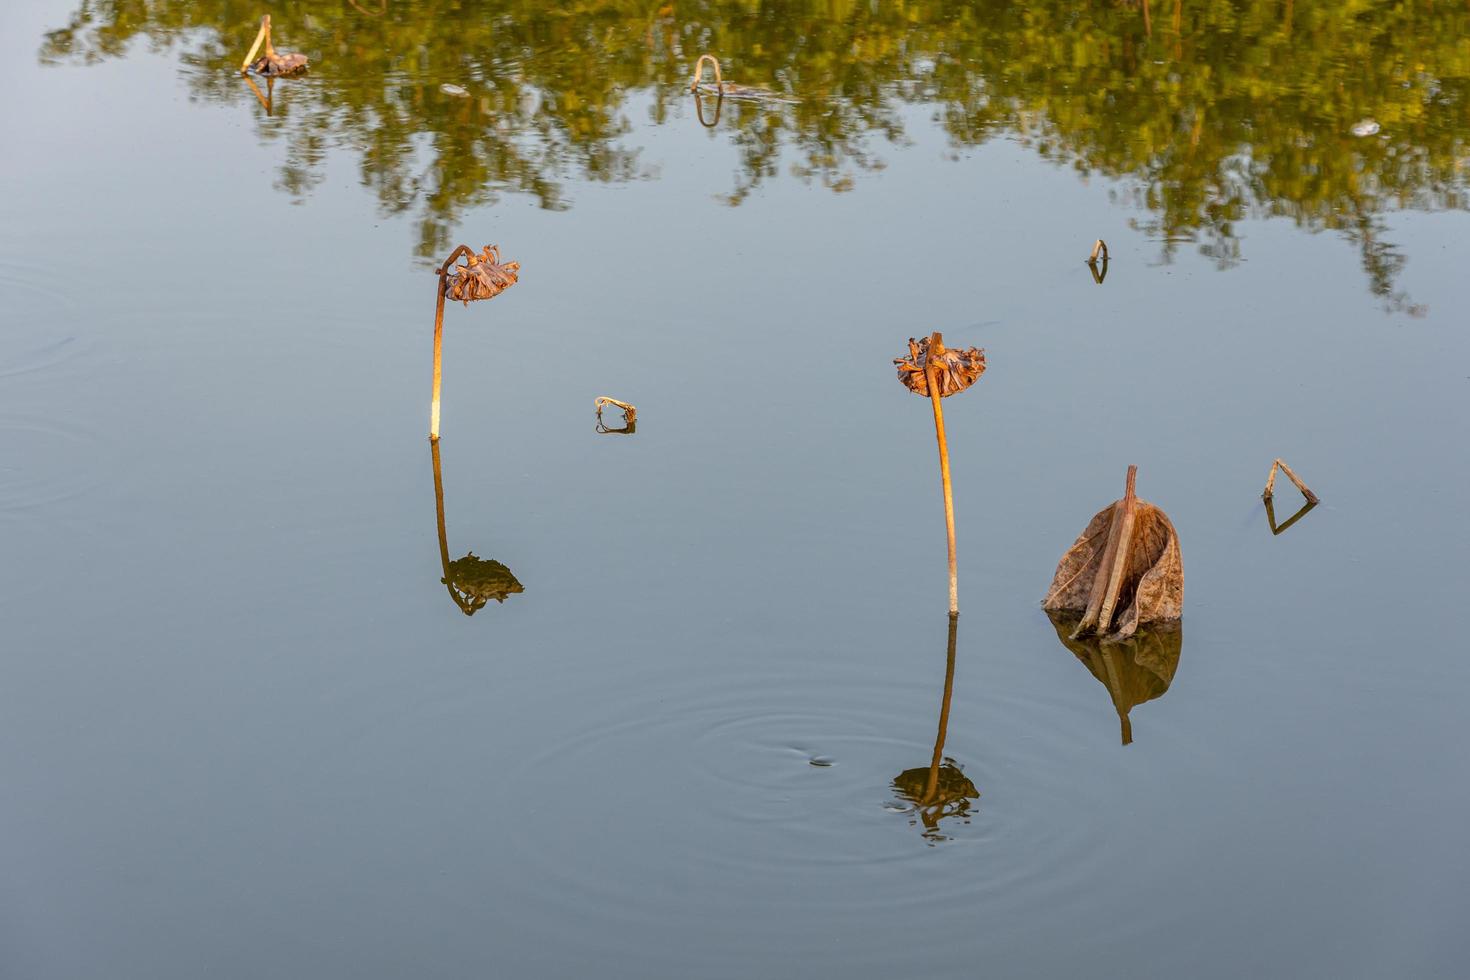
482,276
956,369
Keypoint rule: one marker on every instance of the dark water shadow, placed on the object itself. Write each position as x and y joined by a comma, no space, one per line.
471,581
940,790
1134,670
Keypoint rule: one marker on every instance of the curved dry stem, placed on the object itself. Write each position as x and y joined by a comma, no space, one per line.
699,70
263,36
1099,248
443,271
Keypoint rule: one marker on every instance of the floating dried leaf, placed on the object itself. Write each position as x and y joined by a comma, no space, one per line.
956,369
1123,570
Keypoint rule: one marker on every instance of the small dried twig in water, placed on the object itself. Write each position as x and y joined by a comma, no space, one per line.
630,415
629,412
1100,248
1271,482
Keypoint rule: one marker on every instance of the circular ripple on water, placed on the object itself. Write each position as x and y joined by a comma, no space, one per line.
739,783
43,462
31,340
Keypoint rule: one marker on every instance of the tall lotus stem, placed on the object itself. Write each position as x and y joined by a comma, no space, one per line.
439,337
931,376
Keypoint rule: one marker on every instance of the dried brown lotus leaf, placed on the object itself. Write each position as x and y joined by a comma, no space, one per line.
956,369
274,64
1152,587
483,276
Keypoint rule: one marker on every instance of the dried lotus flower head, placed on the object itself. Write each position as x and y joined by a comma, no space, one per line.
482,276
955,369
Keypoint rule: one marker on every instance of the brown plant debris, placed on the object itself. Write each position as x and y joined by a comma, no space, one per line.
730,90
1100,247
630,415
1123,570
955,369
1270,490
273,62
482,276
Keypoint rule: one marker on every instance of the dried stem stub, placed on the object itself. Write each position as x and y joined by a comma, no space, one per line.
1099,248
1270,490
699,72
630,412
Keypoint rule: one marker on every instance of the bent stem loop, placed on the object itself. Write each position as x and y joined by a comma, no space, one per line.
1280,463
699,71
439,336
931,379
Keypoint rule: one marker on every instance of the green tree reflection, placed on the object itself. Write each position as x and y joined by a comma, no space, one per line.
1208,111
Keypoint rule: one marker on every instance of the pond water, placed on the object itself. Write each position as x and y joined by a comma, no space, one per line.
247,730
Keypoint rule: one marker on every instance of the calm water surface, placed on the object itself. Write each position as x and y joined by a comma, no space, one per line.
246,729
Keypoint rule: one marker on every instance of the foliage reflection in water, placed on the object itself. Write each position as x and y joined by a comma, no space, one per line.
1134,670
1224,110
939,790
471,581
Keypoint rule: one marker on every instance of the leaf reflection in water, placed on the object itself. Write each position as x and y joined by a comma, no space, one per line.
1134,670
